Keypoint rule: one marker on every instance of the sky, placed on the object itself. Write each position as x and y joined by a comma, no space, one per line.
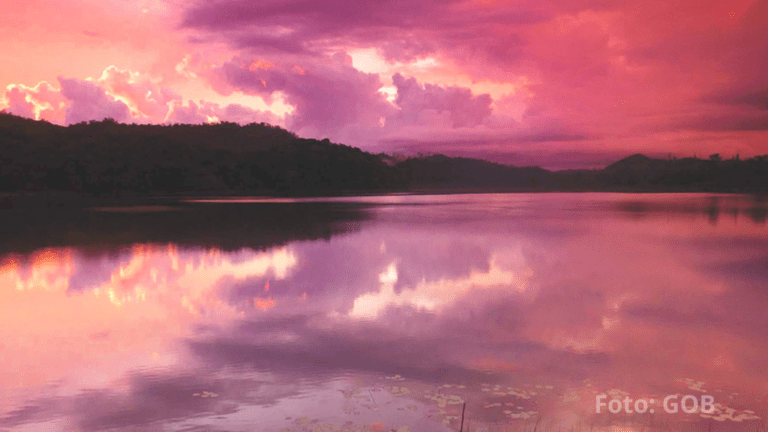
566,84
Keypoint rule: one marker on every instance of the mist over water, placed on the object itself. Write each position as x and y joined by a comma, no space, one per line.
386,313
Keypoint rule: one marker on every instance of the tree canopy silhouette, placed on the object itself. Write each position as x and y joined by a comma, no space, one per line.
107,158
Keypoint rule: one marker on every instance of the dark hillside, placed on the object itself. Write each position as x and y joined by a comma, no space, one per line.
688,174
439,171
108,158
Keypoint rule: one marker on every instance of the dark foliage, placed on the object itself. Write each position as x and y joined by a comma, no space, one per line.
713,174
107,158
438,171
635,173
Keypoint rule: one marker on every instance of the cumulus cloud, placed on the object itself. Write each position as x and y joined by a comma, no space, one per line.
242,114
190,112
496,42
186,113
327,95
418,101
43,102
333,99
124,95
17,103
145,97
88,101
604,69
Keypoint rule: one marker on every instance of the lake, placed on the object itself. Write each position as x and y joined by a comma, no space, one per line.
390,313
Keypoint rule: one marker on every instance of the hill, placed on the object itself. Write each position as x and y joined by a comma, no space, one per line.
439,171
688,174
109,159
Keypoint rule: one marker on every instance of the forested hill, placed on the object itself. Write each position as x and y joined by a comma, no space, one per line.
714,174
109,158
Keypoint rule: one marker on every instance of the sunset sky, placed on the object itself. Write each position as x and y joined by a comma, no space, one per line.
565,84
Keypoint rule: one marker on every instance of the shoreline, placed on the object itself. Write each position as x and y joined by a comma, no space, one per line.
63,200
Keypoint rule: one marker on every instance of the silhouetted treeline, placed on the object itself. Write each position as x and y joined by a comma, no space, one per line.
635,173
439,171
110,159
694,174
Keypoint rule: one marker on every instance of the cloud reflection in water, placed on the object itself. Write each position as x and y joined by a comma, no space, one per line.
523,307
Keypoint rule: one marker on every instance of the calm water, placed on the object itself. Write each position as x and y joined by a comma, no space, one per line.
386,313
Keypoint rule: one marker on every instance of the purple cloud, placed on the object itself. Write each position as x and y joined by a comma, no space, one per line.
419,100
327,96
18,104
186,114
402,30
91,102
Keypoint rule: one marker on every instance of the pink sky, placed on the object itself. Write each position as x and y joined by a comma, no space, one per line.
574,83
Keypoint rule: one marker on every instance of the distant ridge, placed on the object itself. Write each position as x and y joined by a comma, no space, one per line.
635,162
712,174
106,158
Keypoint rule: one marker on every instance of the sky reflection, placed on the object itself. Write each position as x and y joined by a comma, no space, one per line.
523,306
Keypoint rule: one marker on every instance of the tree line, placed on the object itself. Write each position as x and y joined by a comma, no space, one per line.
106,158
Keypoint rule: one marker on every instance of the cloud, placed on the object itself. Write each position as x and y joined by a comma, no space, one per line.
327,95
626,74
186,113
746,83
17,102
76,100
402,29
333,99
126,96
190,112
243,115
145,98
42,102
735,119
420,101
91,102
497,42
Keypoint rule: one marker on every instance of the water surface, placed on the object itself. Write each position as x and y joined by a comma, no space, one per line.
385,313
